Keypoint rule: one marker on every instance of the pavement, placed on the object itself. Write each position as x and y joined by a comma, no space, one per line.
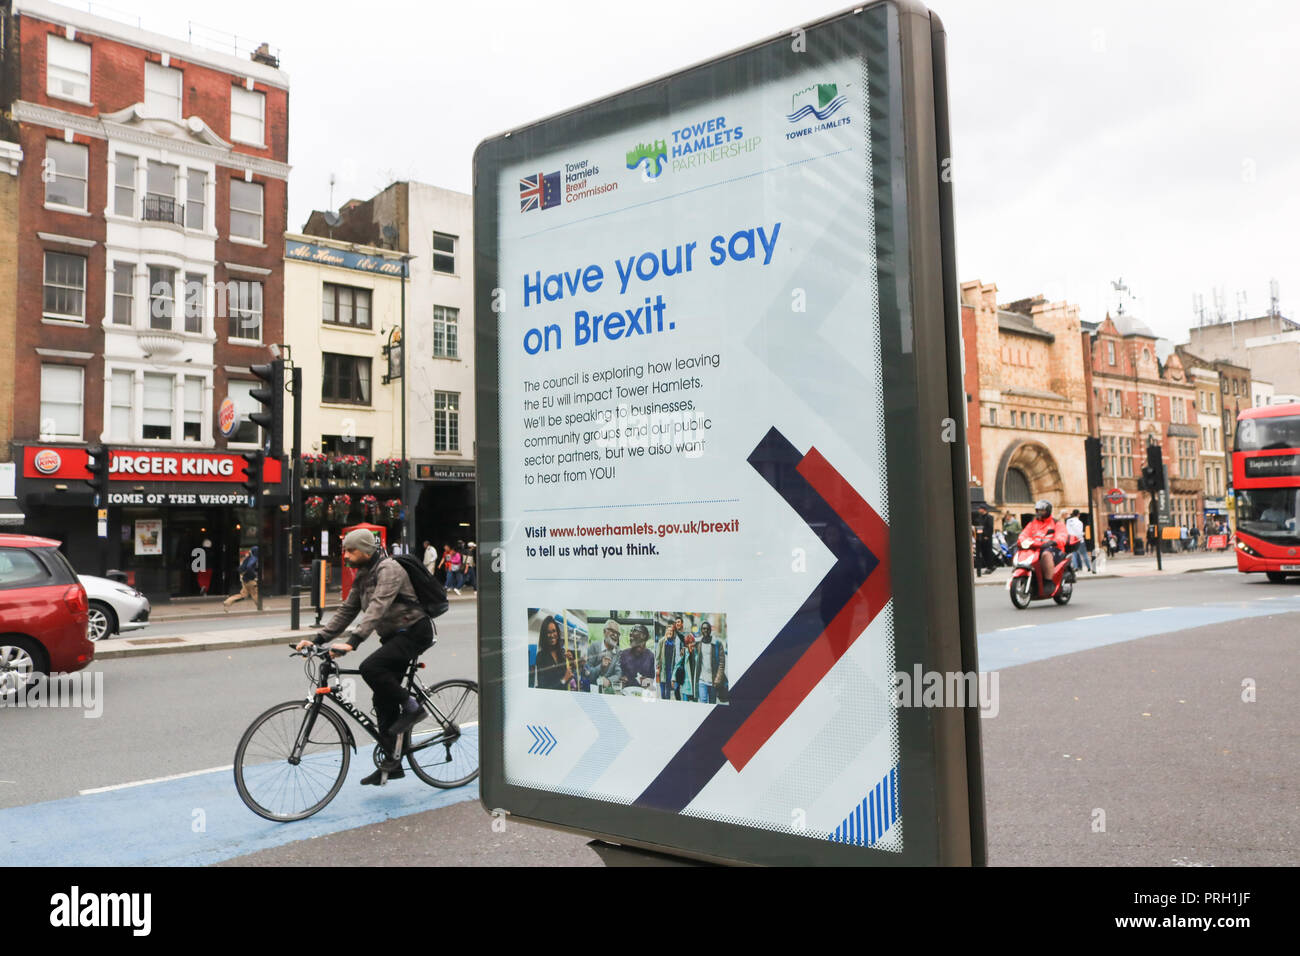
197,610
1130,566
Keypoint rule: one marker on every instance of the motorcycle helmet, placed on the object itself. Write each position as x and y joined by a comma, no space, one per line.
1042,509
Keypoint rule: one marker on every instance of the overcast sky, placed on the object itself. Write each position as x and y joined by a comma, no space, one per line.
1157,142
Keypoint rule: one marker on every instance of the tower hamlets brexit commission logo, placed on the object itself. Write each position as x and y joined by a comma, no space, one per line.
818,103
539,191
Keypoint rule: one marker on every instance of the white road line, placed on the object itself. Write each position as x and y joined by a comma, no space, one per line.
1020,628
141,783
1167,607
1092,617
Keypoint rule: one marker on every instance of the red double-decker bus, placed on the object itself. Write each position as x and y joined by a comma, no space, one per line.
1266,476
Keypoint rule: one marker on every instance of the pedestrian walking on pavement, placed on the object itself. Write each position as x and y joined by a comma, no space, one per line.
247,578
1079,556
984,541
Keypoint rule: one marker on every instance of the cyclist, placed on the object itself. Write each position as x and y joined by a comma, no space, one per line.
1055,538
382,594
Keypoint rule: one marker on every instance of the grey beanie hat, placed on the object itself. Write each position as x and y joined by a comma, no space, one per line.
359,539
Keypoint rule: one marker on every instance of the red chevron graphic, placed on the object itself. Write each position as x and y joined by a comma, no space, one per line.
868,601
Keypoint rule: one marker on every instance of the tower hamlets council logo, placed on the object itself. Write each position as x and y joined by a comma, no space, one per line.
653,156
540,191
820,101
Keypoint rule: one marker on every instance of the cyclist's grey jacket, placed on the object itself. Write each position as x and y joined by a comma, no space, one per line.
384,590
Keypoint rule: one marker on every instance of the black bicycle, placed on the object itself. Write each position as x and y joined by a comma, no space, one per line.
293,759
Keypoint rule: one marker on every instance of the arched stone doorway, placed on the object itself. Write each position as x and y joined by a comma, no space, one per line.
1028,472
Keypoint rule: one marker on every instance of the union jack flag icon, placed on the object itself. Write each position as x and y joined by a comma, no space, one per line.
541,191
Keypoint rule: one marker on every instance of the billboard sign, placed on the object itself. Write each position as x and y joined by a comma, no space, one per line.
724,480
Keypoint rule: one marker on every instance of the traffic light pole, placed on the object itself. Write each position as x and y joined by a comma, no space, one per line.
295,491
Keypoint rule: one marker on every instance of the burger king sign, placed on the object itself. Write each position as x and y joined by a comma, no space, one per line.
228,418
47,461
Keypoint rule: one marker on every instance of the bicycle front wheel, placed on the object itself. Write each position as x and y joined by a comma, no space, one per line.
285,770
443,747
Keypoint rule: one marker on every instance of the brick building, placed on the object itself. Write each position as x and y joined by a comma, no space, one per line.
1137,400
1223,391
152,199
1028,404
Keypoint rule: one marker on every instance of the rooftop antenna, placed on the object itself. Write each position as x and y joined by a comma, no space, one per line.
331,205
1273,305
1241,305
1198,308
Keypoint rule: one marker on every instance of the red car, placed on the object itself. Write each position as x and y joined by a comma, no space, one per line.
43,612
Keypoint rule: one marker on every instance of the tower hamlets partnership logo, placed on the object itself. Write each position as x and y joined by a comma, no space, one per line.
694,145
815,105
650,156
539,191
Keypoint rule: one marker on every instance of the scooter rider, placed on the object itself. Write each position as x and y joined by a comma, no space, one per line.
1055,538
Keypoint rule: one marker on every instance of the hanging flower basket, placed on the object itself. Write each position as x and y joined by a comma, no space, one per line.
393,510
312,465
389,470
313,509
340,508
370,507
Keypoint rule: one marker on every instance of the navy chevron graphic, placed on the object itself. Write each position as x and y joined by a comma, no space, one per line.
701,757
870,819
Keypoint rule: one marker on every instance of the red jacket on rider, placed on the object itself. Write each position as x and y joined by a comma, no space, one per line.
1052,530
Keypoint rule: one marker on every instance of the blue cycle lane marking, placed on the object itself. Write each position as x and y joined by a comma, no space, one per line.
156,824
999,650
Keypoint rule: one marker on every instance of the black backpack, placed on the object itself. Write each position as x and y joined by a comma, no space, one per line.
429,593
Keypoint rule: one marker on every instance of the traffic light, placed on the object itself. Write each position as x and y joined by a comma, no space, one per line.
97,464
272,396
1156,462
1148,480
253,475
1092,455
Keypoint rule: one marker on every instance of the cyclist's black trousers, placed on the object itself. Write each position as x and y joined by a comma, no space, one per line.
384,669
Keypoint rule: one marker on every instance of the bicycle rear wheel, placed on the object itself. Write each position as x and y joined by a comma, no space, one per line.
278,787
446,755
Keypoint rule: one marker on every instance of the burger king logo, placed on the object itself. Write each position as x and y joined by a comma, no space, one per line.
48,461
228,418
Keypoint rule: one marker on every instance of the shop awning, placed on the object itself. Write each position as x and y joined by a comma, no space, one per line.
10,513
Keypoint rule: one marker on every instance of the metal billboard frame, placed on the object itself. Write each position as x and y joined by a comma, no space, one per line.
941,760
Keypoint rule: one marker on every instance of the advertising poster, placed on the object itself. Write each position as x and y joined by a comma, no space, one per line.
148,536
696,613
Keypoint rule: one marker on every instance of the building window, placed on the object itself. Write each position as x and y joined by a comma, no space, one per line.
1148,405
65,286
159,399
246,210
446,340
194,296
123,292
346,379
196,197
124,186
345,305
1210,396
192,423
67,68
121,422
162,92
1033,419
444,253
247,110
160,203
61,402
240,392
162,297
346,445
65,174
993,416
1110,352
244,309
446,421
1016,487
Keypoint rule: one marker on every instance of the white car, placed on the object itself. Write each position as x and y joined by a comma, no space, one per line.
114,607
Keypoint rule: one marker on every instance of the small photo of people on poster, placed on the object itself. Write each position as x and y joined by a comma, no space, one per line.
669,655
